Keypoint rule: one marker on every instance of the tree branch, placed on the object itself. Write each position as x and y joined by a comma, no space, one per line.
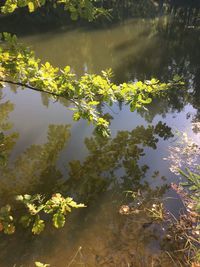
37,89
30,87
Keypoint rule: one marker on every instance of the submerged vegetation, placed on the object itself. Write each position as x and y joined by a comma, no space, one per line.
180,235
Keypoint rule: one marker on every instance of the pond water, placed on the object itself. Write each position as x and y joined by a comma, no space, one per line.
48,152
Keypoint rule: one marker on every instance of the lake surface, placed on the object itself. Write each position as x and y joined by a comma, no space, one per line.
50,153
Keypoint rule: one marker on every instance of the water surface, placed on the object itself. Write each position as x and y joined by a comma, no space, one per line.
50,153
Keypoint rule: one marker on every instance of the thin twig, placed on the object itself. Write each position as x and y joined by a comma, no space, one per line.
28,86
72,260
38,90
170,257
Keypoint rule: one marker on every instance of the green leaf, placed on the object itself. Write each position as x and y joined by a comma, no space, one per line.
38,226
176,78
73,204
85,92
58,220
27,197
39,264
31,6
76,116
19,198
93,103
67,69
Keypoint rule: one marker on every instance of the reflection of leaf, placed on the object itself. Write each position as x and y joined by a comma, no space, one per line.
107,157
36,166
25,220
7,141
9,228
6,220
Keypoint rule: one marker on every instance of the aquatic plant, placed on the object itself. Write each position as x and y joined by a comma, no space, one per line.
180,236
192,183
185,231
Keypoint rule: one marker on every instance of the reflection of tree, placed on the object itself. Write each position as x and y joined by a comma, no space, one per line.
7,140
117,240
112,165
37,165
35,170
46,19
113,162
169,52
186,11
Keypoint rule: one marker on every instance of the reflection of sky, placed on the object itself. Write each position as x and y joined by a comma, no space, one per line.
31,119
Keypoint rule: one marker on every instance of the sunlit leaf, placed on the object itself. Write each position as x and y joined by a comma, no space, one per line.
58,220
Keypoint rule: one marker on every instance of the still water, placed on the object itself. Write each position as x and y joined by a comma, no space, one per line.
48,152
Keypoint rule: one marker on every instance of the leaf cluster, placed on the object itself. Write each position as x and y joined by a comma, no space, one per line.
86,9
86,93
35,206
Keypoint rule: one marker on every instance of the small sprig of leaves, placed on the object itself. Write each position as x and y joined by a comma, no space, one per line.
35,207
157,212
20,66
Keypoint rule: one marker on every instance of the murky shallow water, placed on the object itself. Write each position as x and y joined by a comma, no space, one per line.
52,153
